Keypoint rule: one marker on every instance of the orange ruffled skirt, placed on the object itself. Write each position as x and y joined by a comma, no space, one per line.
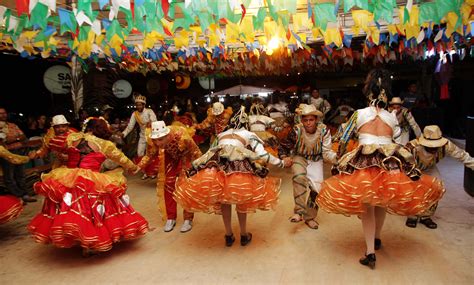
210,187
10,208
85,208
349,194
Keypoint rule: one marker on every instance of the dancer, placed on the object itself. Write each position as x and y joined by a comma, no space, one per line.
258,124
310,144
144,117
55,142
14,174
175,149
320,103
405,120
378,176
216,121
83,206
10,206
429,149
229,174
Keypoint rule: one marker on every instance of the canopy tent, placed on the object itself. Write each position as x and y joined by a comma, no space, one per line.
243,90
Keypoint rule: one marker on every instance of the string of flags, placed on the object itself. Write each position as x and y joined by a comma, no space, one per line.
236,37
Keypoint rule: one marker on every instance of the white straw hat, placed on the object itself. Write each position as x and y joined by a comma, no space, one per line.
307,110
396,101
159,129
59,120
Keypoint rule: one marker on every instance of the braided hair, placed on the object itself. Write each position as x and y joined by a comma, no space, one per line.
378,87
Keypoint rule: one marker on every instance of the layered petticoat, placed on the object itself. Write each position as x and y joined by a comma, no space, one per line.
10,208
379,175
270,142
85,208
227,175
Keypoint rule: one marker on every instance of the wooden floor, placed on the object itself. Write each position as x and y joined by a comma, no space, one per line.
281,252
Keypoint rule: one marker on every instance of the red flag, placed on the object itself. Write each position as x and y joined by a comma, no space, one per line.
165,5
243,12
132,8
22,6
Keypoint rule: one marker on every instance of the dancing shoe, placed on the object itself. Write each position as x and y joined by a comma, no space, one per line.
246,239
377,244
428,222
187,226
411,222
368,260
312,224
169,226
28,198
229,240
153,177
144,177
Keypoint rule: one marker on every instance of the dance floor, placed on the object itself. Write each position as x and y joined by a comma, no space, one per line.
280,253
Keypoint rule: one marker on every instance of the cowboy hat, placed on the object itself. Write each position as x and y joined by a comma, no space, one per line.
159,129
59,120
306,110
396,101
217,108
432,137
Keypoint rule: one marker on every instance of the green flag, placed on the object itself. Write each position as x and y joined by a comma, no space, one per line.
205,19
84,32
128,18
22,23
284,18
259,19
114,29
39,15
428,13
324,13
85,5
139,22
150,8
348,4
446,6
383,10
289,5
272,10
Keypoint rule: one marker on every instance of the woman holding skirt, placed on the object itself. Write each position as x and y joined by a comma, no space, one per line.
379,175
231,172
83,206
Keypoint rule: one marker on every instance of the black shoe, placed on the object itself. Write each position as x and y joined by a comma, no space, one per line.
28,198
244,240
428,222
411,222
229,240
377,244
368,260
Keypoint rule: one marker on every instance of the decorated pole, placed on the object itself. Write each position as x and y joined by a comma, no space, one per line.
76,85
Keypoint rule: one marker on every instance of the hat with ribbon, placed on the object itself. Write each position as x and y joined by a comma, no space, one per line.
432,137
159,130
396,101
307,110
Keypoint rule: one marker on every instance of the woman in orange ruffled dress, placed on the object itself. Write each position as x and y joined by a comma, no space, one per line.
10,206
229,174
83,206
379,175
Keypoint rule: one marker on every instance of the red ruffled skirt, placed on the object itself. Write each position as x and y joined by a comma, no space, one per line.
349,194
85,208
10,208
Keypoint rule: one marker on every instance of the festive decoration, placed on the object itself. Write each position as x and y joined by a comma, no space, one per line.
228,36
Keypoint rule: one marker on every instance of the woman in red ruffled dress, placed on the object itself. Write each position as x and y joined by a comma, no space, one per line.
379,175
83,206
231,173
10,206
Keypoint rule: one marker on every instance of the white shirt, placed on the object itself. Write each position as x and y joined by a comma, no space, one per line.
146,116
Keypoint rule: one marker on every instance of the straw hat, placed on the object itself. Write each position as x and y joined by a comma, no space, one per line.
432,137
307,110
3,136
217,108
59,120
107,107
159,129
396,101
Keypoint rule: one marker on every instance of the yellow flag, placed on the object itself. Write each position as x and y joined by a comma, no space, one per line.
270,29
374,32
332,35
362,18
412,31
115,43
181,39
392,29
213,39
247,29
466,13
232,32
